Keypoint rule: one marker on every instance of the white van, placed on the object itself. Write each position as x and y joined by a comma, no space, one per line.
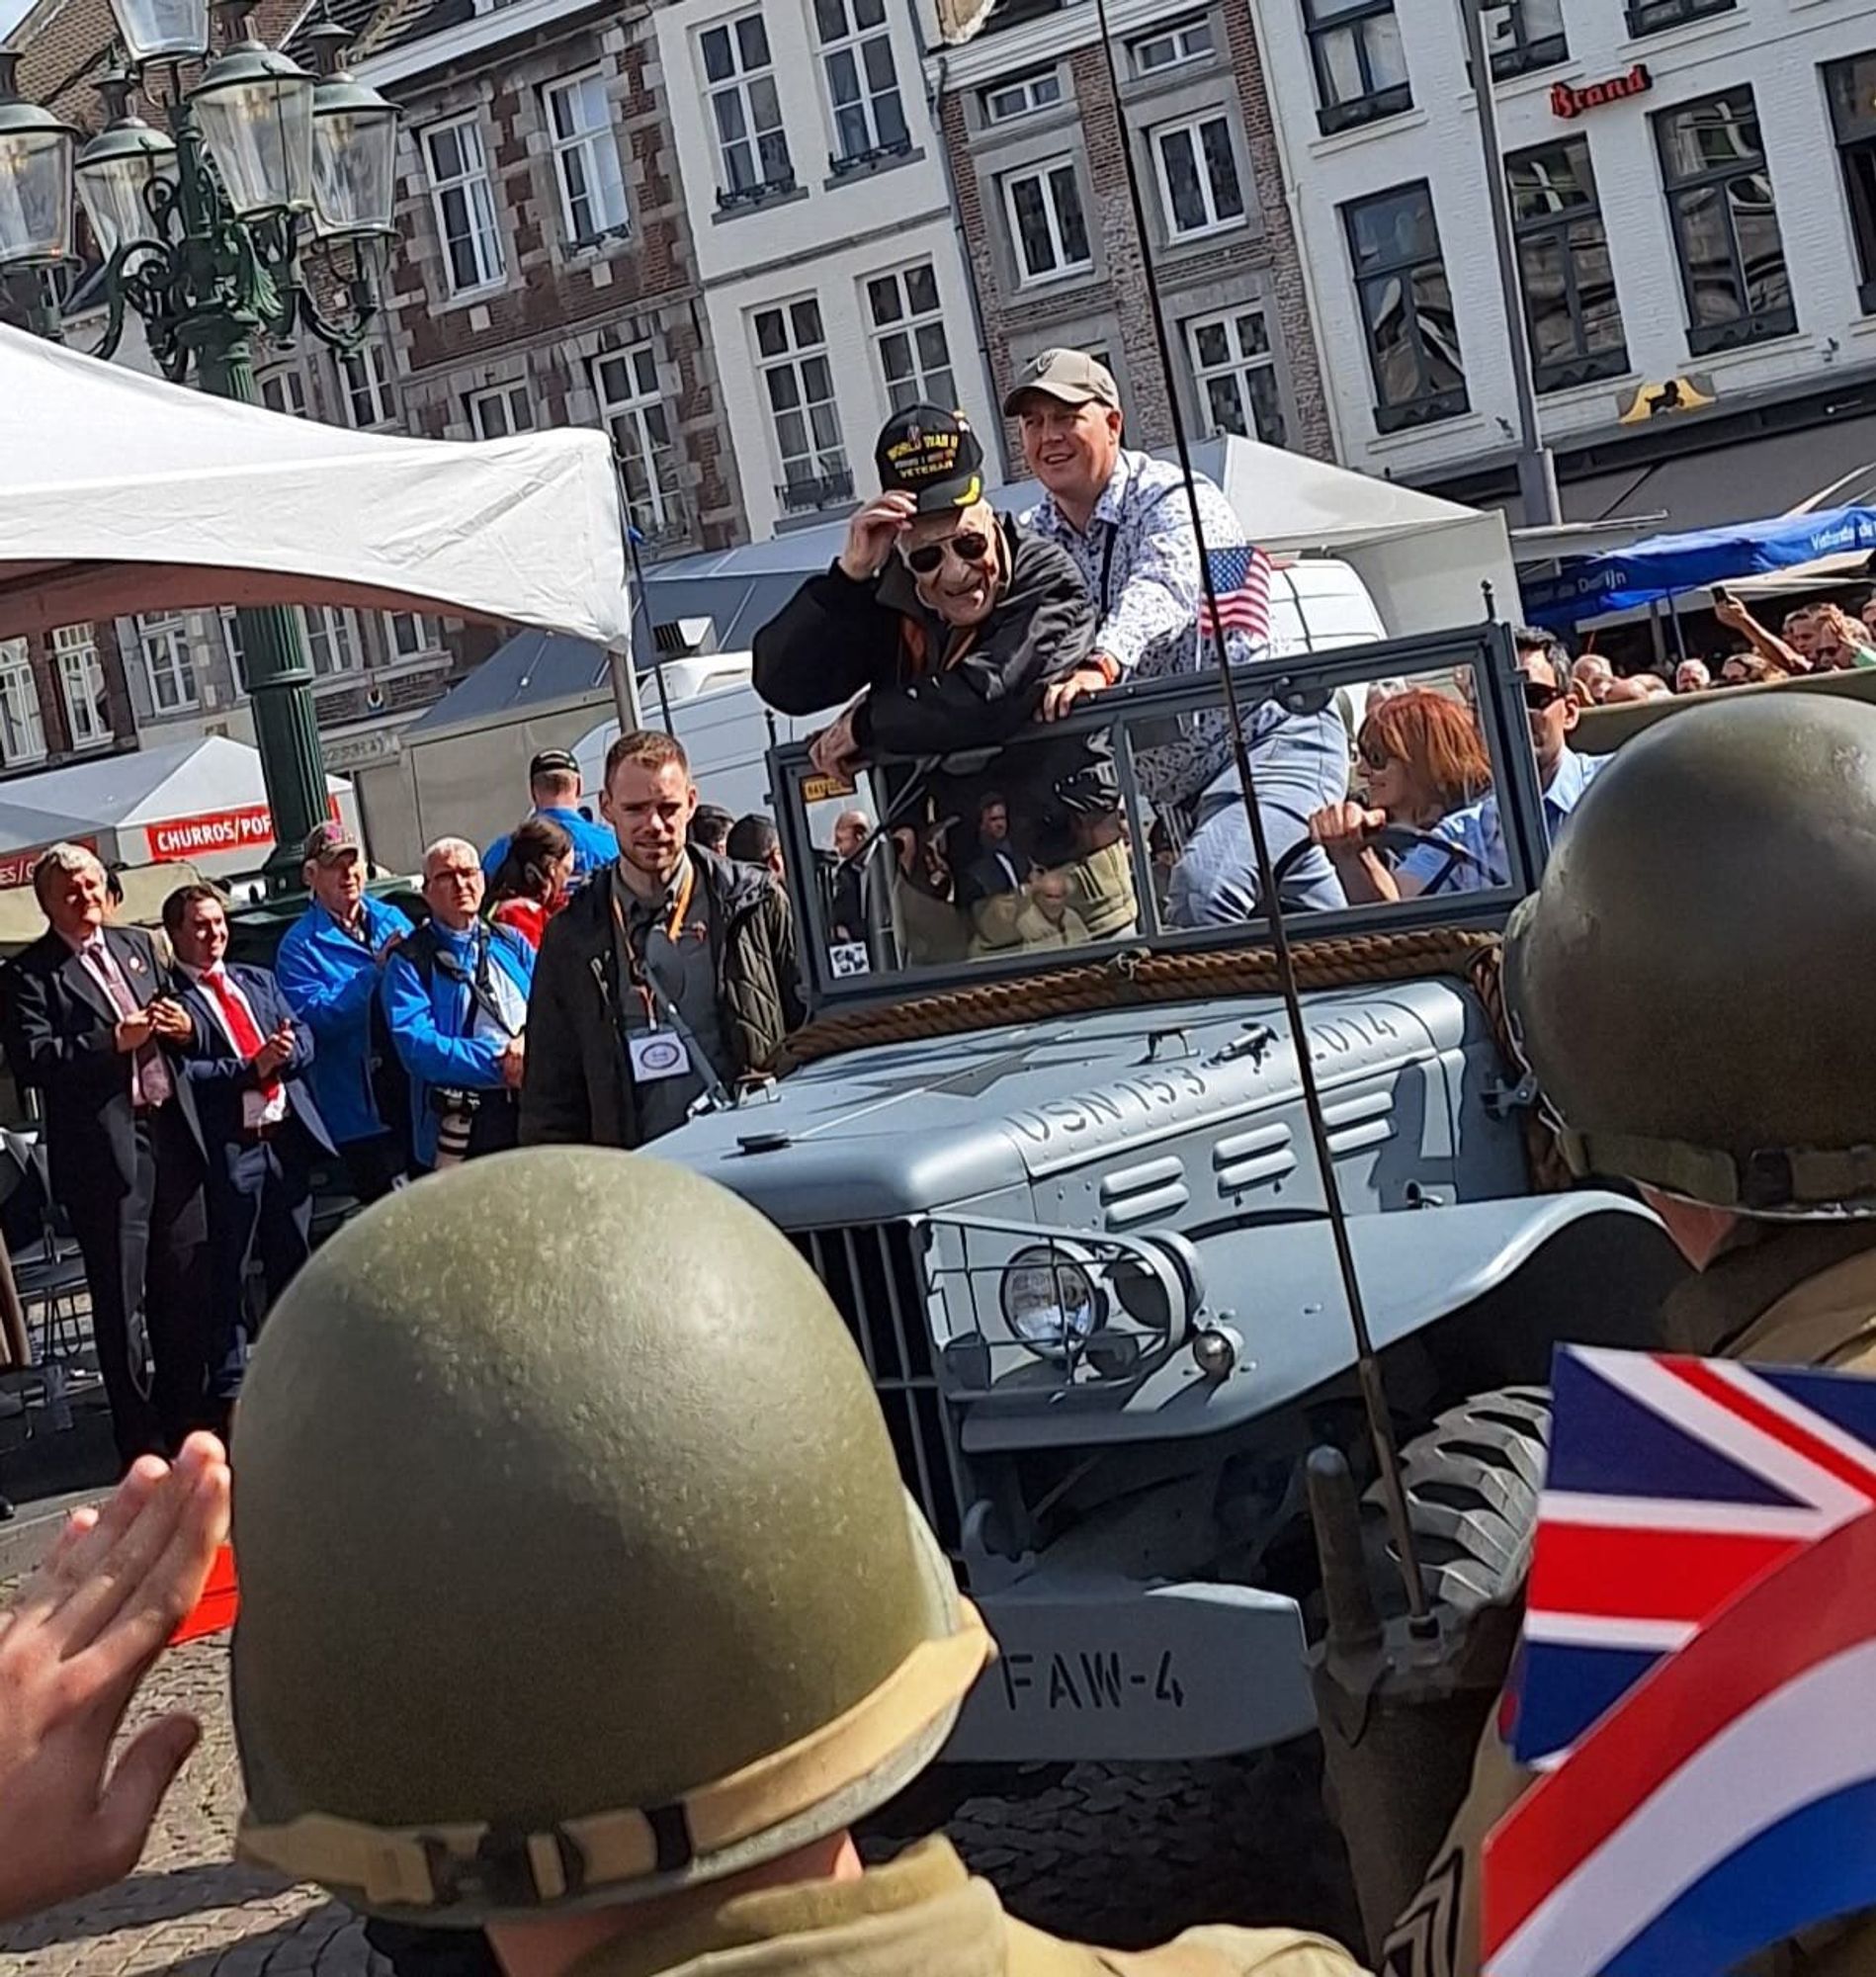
1316,604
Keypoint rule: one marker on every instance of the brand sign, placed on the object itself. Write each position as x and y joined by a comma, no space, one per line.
213,831
1570,100
16,867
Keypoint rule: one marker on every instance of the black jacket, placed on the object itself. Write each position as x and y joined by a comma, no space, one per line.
577,1087
218,1077
62,1036
835,636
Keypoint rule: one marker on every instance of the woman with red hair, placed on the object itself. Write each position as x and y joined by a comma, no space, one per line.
1421,757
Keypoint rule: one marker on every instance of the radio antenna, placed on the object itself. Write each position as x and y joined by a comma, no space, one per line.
1368,1364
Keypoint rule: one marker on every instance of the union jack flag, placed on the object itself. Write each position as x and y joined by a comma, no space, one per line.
1700,1646
1241,587
1672,1484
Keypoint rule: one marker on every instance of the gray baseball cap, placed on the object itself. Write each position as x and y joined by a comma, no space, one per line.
1071,375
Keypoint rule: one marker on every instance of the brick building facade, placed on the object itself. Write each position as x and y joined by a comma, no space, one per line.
1035,138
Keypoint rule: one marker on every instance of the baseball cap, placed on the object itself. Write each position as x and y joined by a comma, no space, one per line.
931,455
553,762
328,842
1071,375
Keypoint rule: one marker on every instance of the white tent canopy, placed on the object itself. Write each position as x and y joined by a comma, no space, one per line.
203,801
121,493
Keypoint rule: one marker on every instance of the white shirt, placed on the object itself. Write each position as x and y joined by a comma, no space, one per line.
257,1108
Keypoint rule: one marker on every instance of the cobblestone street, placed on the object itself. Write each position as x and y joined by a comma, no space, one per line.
1116,1855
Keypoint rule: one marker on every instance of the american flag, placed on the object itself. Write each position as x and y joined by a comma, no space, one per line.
1240,584
1700,1642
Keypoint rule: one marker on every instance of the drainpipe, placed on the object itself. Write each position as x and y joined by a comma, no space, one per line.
934,106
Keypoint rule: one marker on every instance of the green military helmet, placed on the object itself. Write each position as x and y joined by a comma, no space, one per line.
575,1565
1687,981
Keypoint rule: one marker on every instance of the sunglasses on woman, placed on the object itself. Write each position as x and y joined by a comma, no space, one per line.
969,546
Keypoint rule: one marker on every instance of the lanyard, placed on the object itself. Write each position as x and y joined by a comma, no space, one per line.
481,984
658,1006
636,965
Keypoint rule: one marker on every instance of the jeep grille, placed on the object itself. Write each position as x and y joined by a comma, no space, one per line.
877,1278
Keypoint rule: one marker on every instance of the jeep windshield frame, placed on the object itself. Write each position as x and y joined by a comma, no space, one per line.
1301,684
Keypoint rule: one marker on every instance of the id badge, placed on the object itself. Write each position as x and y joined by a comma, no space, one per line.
657,1054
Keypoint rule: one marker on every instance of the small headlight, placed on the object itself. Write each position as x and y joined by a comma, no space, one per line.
1050,1300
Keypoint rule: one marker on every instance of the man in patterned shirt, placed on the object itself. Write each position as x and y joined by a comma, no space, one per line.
1126,519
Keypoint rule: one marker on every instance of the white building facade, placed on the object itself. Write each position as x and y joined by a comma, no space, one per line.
1694,195
826,244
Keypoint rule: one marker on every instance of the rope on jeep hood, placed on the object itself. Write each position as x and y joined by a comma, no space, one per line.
1137,978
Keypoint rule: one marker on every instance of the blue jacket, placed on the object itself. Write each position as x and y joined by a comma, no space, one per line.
330,984
430,1020
594,845
221,1077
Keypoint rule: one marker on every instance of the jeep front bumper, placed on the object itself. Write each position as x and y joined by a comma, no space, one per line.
1111,1670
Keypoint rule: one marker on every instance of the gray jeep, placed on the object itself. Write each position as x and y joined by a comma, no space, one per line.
1063,1192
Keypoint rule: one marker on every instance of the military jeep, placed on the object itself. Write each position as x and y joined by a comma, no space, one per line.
1063,1192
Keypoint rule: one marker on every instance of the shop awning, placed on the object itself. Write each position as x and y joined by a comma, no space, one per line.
1664,567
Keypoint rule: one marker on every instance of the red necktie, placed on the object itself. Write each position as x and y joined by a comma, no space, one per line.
247,1039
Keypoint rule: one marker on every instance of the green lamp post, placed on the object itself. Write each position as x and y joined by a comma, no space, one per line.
203,228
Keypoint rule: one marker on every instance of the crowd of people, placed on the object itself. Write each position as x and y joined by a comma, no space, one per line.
1813,637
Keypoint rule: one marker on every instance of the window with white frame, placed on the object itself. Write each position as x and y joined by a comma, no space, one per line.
625,383
409,635
585,158
798,383
856,57
502,412
1047,225
1022,97
169,666
1235,371
285,391
745,110
1199,185
908,331
81,680
21,733
332,643
232,646
1168,48
463,202
365,373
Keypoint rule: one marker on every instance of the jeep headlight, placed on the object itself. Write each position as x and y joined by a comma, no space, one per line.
1052,1300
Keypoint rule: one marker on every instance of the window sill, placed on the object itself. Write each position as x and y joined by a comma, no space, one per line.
869,165
1041,285
1581,374
1404,423
1701,27
1695,16
1201,236
1332,120
1346,141
761,199
469,298
1716,339
598,247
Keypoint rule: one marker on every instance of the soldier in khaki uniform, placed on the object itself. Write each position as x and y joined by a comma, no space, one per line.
581,1600
1686,984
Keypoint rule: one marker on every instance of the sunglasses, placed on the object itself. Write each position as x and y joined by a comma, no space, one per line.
967,546
1539,698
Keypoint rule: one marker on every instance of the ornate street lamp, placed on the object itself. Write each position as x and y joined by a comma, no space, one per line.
204,233
119,171
35,167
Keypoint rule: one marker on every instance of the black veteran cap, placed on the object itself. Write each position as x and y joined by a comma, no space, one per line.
932,456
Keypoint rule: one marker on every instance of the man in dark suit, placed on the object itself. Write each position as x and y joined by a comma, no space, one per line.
89,1025
999,867
246,1062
